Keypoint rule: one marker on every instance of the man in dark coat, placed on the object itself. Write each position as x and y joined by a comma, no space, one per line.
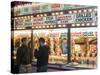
24,57
42,56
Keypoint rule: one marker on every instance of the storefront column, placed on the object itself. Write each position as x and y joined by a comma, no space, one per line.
68,42
31,39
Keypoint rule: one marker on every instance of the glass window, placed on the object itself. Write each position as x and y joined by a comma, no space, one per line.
56,39
84,46
18,35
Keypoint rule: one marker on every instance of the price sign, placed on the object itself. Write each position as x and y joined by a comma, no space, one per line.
38,21
45,8
65,19
19,22
28,22
84,17
55,7
36,9
50,20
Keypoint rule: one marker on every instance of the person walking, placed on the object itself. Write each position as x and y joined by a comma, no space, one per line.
42,56
24,57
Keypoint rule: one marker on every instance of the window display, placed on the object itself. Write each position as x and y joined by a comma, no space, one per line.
18,35
84,46
57,40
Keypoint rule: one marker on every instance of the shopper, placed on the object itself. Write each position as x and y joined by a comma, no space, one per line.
24,57
42,56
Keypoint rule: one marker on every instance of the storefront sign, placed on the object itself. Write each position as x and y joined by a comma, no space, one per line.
36,9
49,20
19,22
65,7
45,8
28,22
64,35
88,34
17,11
54,34
55,7
38,21
65,19
84,17
26,10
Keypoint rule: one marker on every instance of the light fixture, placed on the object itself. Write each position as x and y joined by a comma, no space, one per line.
57,13
28,17
47,26
41,15
88,24
61,13
51,26
82,24
19,17
95,9
77,24
45,14
85,10
59,25
36,27
75,11
70,12
79,11
53,14
39,26
64,25
73,25
31,16
25,17
15,18
90,10
93,24
43,26
37,15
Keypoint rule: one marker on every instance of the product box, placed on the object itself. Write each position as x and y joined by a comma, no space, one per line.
51,37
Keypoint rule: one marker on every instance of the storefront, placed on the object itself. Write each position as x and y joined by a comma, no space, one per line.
71,34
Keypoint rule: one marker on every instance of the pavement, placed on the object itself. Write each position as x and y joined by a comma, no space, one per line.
64,67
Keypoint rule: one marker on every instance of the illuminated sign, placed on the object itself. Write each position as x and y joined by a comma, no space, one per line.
65,19
19,22
28,22
26,10
36,9
55,7
45,8
84,17
38,21
49,20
